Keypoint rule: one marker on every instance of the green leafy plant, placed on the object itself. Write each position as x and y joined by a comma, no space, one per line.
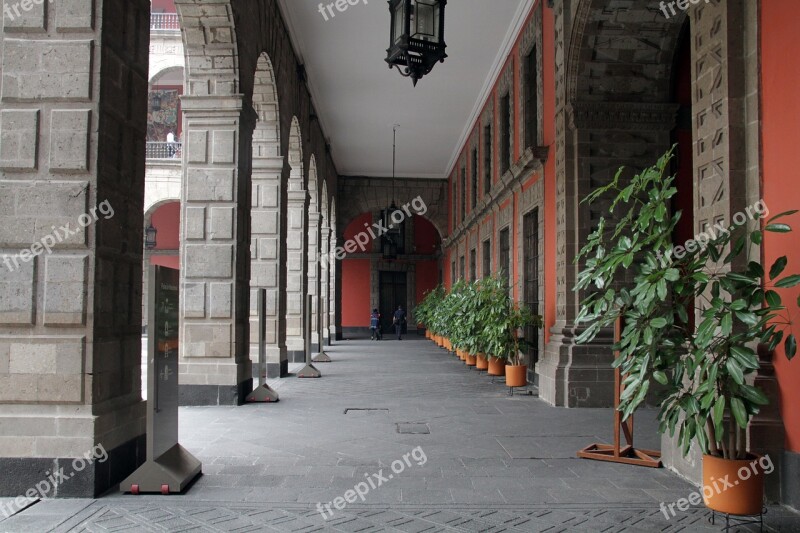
502,319
632,273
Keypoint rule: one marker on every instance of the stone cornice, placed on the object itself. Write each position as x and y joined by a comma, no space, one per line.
532,159
622,115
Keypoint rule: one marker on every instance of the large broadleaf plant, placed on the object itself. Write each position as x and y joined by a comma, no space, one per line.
691,316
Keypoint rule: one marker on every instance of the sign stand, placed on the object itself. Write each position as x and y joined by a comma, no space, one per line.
309,371
169,467
321,357
615,453
263,393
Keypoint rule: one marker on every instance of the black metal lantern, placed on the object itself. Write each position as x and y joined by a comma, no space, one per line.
150,241
417,36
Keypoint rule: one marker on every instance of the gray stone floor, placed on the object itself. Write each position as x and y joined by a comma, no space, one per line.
484,461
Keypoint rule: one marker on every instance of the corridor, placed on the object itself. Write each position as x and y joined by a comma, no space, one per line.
481,460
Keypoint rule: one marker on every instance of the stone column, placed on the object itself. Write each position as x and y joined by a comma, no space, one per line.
333,331
325,240
73,111
215,365
314,218
297,203
266,256
720,156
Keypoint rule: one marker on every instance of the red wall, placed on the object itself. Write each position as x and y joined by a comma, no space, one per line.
355,292
426,238
167,220
780,78
163,6
548,78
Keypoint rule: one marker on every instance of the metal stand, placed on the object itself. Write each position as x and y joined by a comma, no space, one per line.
733,521
309,371
321,357
263,393
615,453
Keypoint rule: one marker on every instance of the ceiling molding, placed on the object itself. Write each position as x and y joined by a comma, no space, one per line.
520,18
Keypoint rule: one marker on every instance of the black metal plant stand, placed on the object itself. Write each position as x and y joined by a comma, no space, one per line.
734,521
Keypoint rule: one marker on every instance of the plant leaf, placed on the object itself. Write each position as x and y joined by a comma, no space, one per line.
788,281
739,412
778,228
777,267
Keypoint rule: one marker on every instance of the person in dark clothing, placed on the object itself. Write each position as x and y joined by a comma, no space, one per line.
375,325
399,320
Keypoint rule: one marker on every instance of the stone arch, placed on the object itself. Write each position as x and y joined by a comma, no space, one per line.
162,72
215,251
266,221
296,246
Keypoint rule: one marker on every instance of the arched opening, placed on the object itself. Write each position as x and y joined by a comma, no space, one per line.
313,271
296,238
375,280
265,224
165,115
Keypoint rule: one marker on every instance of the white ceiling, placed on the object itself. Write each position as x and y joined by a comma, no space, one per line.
359,98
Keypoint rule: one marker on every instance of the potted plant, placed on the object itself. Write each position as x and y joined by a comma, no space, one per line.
692,317
519,317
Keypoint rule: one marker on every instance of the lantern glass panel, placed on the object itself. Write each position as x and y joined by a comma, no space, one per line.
399,21
425,22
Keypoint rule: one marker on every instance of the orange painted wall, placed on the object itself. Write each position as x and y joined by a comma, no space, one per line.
780,78
427,278
549,96
167,220
356,292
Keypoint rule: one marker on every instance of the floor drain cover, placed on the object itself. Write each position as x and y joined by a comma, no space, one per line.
413,429
365,411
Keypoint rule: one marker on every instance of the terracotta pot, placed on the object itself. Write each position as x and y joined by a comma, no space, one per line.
471,359
743,494
516,376
461,354
482,363
497,367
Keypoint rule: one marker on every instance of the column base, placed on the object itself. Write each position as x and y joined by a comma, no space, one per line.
22,475
572,375
204,395
790,473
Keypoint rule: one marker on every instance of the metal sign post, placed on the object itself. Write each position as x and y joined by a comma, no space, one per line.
309,371
169,467
321,357
263,393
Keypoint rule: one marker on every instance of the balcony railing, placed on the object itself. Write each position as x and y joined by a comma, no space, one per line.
164,21
163,150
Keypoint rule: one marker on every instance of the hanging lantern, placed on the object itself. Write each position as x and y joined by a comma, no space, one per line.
417,42
150,241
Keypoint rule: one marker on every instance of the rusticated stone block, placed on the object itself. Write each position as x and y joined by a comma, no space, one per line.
209,261
19,139
74,15
17,296
64,290
69,140
46,70
24,16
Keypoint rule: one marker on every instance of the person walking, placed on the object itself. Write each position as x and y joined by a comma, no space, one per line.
375,325
399,320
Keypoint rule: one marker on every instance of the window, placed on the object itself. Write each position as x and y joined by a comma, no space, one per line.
505,254
473,265
487,159
461,267
505,133
455,204
474,177
487,258
530,244
531,100
463,193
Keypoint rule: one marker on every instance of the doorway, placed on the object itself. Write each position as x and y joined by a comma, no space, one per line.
393,287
